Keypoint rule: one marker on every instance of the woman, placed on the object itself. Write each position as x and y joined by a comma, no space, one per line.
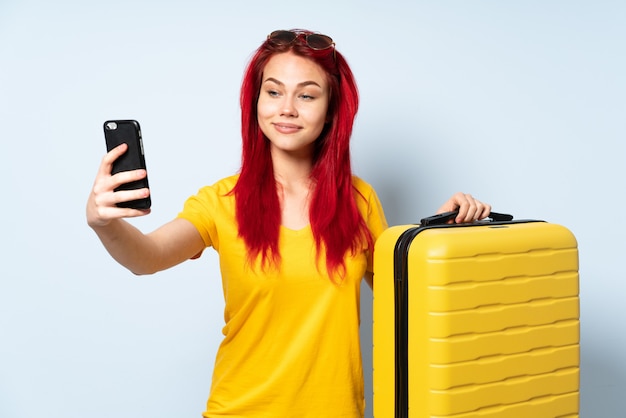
294,231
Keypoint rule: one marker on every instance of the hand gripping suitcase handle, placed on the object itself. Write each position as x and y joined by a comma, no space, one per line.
444,218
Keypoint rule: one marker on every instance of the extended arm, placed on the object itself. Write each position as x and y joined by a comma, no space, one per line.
141,253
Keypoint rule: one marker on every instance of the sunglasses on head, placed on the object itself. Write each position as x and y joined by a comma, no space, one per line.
315,41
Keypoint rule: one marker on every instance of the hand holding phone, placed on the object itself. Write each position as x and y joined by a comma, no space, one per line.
117,132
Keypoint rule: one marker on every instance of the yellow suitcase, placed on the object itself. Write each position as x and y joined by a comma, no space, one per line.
476,321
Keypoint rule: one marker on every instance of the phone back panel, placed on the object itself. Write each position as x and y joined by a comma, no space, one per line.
476,321
129,132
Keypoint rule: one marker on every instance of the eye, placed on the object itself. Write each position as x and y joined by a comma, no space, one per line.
307,97
272,93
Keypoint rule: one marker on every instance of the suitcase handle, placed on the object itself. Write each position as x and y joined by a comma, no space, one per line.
446,217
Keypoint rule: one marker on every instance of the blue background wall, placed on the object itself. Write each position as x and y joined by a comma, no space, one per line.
520,103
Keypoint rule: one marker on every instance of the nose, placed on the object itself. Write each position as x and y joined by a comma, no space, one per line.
288,107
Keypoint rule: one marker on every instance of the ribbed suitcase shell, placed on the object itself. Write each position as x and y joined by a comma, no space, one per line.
484,324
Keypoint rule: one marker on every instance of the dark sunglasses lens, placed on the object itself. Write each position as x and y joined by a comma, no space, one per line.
282,37
317,41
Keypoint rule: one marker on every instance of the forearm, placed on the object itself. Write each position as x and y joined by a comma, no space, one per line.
129,246
171,244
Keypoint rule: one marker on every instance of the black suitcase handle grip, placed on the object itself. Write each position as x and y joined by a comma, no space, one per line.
446,217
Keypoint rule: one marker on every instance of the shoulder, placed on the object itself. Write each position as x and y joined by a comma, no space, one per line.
222,187
366,197
210,206
370,206
363,188
208,198
226,184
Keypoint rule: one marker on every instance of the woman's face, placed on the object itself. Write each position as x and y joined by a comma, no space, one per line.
293,104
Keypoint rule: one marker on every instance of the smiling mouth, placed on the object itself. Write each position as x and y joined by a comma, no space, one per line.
286,127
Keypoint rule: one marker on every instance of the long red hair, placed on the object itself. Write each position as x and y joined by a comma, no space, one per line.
336,223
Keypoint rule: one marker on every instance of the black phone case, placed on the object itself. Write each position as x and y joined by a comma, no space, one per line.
117,132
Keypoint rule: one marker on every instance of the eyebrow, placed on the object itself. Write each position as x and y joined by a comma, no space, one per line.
302,84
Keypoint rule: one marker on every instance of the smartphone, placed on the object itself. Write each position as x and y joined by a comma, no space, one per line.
117,132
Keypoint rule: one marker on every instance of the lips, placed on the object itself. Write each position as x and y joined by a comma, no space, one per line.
286,128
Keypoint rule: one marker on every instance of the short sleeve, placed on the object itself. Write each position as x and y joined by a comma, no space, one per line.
372,211
212,211
376,221
199,210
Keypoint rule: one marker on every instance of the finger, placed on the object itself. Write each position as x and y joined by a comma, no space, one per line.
124,177
102,207
132,213
482,210
467,208
105,184
104,193
122,196
486,211
110,198
451,204
476,210
108,159
113,212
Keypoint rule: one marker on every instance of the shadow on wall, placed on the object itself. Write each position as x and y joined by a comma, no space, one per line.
395,176
367,345
401,181
602,382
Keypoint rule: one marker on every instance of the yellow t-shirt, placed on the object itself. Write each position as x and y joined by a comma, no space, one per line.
291,336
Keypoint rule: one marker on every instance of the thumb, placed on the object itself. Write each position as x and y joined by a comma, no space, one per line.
449,206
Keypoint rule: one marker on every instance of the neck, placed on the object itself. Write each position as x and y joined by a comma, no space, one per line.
294,189
291,170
